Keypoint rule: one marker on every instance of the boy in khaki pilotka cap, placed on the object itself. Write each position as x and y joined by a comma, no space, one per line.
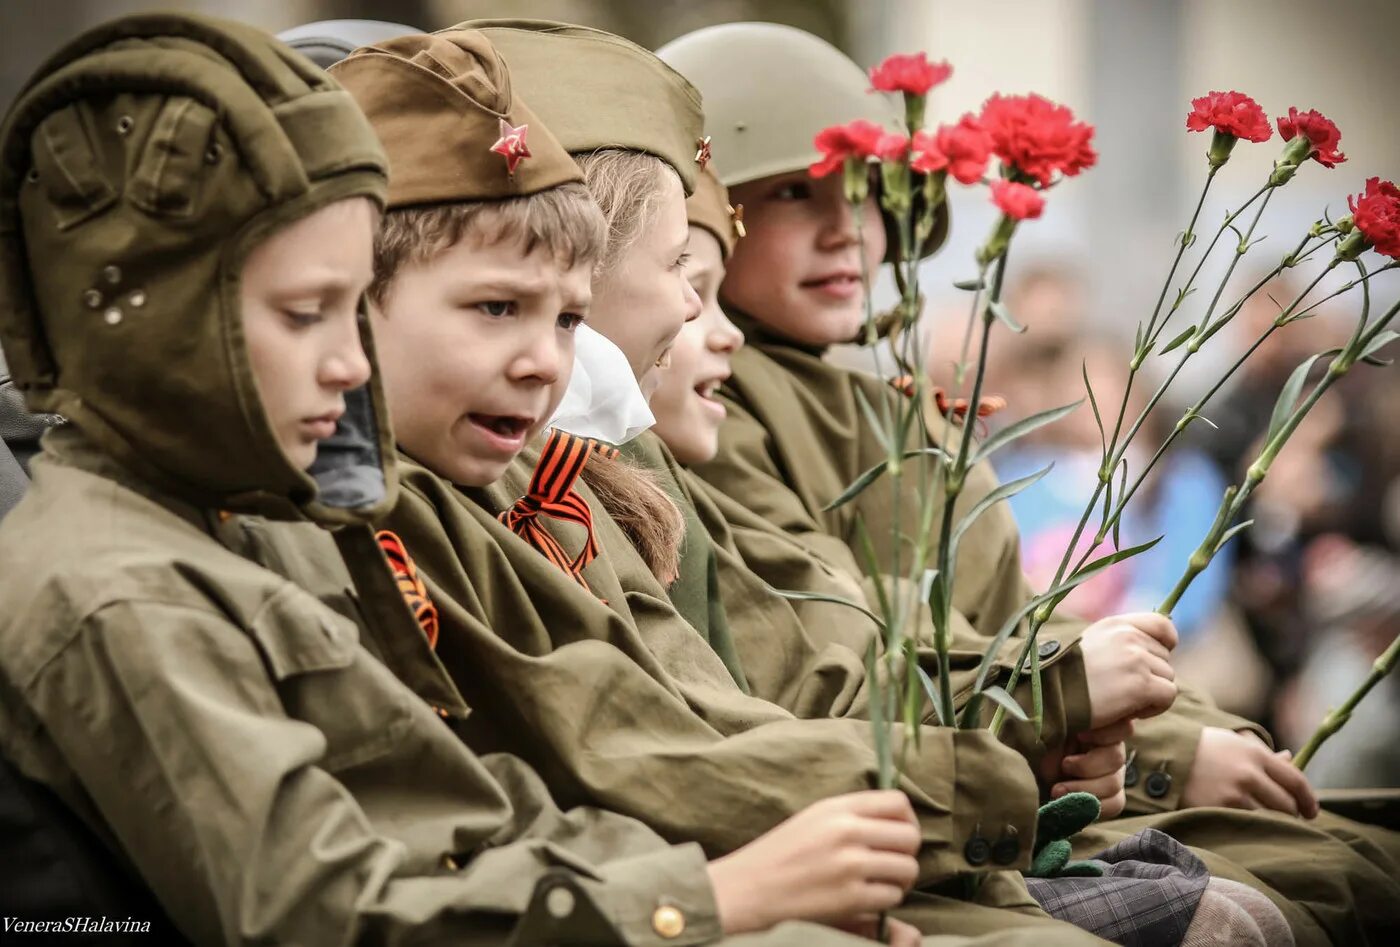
608,693
483,270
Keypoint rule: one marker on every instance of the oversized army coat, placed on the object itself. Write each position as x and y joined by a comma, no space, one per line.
251,753
795,437
616,700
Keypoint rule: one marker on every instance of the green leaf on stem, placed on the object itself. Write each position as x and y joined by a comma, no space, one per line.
1381,340
877,424
1181,295
999,695
1179,341
1003,492
1123,492
1288,397
989,657
872,566
1020,429
796,596
857,485
1083,575
970,285
1230,534
1094,402
870,476
997,308
926,583
931,689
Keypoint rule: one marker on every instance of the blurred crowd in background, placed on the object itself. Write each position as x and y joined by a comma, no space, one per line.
1287,621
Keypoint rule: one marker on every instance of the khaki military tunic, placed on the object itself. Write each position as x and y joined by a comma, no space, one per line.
239,743
617,701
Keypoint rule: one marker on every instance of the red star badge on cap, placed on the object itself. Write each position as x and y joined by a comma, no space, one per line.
511,145
702,151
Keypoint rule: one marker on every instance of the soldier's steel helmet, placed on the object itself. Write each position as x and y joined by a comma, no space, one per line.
767,89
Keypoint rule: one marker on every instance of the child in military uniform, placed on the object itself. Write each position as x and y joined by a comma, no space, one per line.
188,213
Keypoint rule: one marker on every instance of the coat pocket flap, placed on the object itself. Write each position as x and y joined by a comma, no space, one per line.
299,635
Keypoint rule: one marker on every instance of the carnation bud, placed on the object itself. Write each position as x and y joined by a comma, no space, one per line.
914,111
1221,144
857,180
895,194
1294,154
998,242
1345,225
1352,246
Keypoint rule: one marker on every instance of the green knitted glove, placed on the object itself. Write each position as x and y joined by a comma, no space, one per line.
1056,822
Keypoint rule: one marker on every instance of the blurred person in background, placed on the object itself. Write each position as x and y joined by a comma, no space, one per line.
1353,598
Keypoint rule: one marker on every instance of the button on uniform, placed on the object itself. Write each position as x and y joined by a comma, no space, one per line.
1158,784
1006,850
977,851
668,921
1045,650
1130,775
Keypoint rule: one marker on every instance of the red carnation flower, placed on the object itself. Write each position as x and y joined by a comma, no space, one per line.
962,150
1037,137
1376,213
858,139
911,74
1016,200
1322,135
891,146
1230,113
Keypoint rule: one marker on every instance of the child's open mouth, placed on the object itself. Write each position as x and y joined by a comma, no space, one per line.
506,433
707,390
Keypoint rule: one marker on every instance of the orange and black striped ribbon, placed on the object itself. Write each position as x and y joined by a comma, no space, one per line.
411,585
552,493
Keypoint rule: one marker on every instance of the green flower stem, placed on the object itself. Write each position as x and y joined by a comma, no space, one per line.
1193,412
1337,718
1115,450
1188,237
1237,495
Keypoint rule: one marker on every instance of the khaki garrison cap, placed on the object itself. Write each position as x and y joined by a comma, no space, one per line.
442,105
596,90
709,208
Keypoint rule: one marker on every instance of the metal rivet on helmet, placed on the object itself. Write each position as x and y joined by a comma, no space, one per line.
92,298
112,316
215,152
137,299
124,124
112,274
